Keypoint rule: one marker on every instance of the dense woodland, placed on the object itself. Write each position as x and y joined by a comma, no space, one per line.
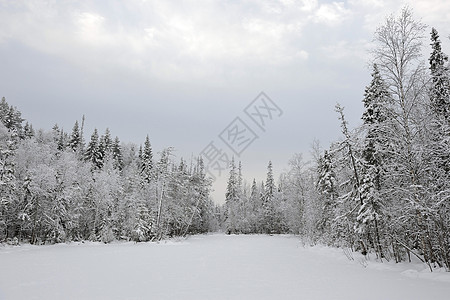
384,188
57,187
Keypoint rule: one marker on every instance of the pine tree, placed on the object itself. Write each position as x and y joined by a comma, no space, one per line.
377,106
7,182
28,130
11,119
269,214
14,121
92,152
231,194
146,157
440,78
143,230
239,178
438,156
101,153
4,110
376,101
62,141
327,188
75,138
255,207
231,199
107,141
117,154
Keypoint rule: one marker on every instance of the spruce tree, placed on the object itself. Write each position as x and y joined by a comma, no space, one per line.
327,188
376,102
440,81
107,141
28,130
62,141
92,150
438,154
269,214
117,154
254,207
374,153
231,199
146,161
4,109
101,153
75,138
11,118
232,185
7,183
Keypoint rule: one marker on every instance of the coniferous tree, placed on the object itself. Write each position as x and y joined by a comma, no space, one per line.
232,185
107,141
255,207
440,78
62,141
117,154
376,103
91,153
268,205
4,109
75,138
146,157
28,130
56,134
231,200
438,155
144,229
327,188
101,152
374,153
7,182
13,122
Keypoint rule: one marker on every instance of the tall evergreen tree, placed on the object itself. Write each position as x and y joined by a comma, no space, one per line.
4,110
92,152
146,164
376,103
231,199
231,194
7,183
437,156
268,205
374,153
107,141
327,188
440,78
117,154
75,138
28,130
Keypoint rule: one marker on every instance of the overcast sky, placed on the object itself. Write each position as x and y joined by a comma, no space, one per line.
182,71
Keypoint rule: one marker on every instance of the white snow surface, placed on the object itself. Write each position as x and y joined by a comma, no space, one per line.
209,267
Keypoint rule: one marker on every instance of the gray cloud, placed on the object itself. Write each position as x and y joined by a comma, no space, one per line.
182,70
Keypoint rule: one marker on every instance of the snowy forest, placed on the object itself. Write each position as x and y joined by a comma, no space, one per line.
383,188
57,187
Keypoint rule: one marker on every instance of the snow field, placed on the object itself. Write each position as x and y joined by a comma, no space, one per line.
209,267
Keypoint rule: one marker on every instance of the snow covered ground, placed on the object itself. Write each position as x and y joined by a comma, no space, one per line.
209,267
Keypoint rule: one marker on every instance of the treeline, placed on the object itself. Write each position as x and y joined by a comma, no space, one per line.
56,187
385,187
